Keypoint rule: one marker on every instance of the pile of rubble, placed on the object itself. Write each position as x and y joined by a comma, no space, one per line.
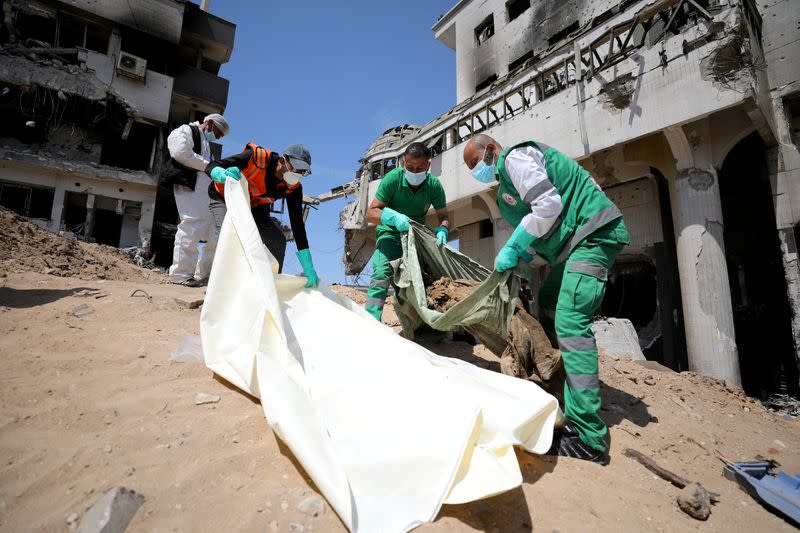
24,246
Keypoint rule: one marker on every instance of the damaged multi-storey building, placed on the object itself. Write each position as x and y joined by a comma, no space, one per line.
687,113
88,93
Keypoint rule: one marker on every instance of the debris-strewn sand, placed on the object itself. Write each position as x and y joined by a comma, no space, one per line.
81,411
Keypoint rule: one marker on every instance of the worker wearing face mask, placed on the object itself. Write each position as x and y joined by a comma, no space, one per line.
559,212
404,193
195,238
270,176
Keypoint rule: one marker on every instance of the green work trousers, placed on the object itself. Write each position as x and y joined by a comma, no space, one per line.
568,299
388,248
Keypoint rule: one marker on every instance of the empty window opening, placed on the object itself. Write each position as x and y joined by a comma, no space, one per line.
486,83
496,112
518,62
632,293
515,8
464,130
389,164
484,30
34,30
135,152
75,212
31,202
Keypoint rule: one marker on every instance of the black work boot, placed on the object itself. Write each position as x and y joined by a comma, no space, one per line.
567,443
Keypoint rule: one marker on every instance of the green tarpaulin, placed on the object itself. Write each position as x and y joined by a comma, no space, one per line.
490,306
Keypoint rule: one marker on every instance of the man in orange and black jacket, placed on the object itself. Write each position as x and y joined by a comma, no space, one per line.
270,176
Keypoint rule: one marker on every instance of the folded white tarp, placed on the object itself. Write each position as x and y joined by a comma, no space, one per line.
386,429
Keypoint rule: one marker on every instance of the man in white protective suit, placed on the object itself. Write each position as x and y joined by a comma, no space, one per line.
195,238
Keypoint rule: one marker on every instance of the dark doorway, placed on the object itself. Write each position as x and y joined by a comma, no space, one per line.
107,227
761,310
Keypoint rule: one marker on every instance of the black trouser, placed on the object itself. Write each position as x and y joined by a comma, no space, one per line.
271,234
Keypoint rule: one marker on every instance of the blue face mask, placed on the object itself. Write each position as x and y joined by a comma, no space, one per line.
209,135
483,172
415,178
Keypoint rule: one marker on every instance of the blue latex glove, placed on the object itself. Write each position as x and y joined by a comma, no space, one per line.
304,256
441,235
515,249
390,217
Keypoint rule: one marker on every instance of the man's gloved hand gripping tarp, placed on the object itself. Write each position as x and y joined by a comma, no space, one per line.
386,429
490,306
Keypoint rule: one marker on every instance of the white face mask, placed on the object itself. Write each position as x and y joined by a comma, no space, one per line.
292,178
415,178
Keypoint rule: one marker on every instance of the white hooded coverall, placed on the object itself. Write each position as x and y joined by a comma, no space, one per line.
195,239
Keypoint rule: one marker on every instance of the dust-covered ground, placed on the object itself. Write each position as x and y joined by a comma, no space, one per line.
93,401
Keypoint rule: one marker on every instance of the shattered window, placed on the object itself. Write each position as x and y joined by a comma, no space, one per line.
515,8
389,164
484,30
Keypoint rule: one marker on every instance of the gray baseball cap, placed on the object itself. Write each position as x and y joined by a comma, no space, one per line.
299,157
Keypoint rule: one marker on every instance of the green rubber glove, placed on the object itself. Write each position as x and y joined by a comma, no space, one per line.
526,256
441,235
513,250
390,217
218,174
304,256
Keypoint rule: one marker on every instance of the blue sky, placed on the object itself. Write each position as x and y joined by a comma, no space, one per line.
332,76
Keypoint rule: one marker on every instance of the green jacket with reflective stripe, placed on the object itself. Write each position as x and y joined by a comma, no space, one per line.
585,208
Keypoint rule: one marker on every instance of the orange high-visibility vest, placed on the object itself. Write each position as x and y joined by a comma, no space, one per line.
256,175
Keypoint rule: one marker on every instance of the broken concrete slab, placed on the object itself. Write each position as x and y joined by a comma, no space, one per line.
203,398
617,337
656,366
112,512
311,506
81,310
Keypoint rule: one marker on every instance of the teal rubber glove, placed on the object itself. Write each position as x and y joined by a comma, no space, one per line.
441,235
304,256
233,172
526,256
515,248
218,174
390,217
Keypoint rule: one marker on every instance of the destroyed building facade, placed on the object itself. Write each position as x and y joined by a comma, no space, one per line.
89,92
687,113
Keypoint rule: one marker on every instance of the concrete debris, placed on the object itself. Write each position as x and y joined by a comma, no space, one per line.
203,398
112,512
617,337
189,304
81,310
72,521
142,351
299,528
695,501
189,350
312,506
783,405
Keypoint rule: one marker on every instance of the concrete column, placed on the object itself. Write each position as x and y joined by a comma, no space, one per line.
58,208
88,229
705,289
146,223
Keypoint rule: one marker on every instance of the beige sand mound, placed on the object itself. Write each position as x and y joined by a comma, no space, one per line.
24,246
81,412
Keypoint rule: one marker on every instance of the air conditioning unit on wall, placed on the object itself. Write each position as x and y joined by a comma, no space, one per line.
131,66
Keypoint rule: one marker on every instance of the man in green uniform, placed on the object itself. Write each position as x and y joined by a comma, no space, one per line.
560,213
404,193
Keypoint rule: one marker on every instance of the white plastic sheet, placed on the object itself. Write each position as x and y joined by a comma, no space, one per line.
386,429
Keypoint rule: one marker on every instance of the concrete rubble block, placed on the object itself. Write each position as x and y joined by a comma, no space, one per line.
81,310
617,337
203,398
312,506
112,512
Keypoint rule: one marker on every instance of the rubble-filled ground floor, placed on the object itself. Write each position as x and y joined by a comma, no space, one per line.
90,399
